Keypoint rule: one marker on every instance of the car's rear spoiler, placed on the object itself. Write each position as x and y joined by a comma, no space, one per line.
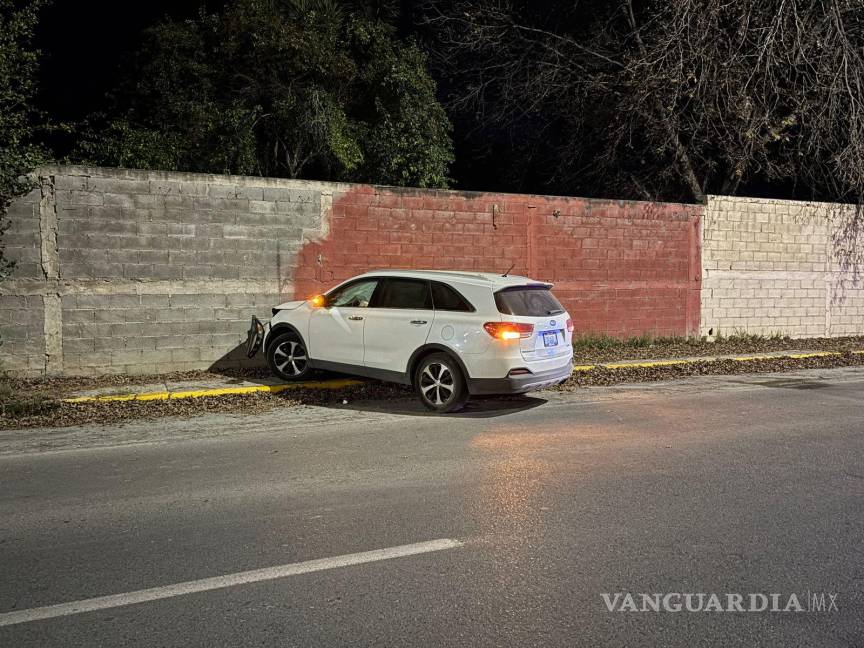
534,285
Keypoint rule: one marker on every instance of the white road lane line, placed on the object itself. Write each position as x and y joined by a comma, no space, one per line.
220,582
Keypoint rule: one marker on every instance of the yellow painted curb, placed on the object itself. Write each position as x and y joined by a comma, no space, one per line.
821,354
219,391
796,356
685,361
348,382
651,363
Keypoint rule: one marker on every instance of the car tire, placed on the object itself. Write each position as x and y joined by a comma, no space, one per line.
440,384
288,358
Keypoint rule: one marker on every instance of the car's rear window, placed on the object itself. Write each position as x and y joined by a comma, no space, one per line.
446,298
528,301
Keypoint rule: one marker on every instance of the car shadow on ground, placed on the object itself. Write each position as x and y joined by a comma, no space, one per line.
477,407
238,372
238,369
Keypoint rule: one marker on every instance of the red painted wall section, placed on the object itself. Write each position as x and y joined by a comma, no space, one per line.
620,268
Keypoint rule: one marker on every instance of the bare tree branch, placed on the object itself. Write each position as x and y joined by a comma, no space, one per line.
669,98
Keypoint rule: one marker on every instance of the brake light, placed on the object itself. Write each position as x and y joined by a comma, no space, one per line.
509,330
569,325
317,301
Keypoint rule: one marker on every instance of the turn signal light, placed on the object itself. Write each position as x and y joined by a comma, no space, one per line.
317,301
509,330
569,325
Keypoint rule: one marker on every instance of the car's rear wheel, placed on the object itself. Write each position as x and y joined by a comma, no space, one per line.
440,384
287,357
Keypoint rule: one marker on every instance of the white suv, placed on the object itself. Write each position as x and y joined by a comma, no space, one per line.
449,334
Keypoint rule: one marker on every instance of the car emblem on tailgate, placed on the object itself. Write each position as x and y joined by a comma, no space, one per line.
552,323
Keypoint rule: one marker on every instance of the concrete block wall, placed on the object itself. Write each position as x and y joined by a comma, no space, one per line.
148,272
22,331
773,266
22,334
126,271
620,268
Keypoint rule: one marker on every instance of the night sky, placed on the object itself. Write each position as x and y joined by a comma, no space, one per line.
84,43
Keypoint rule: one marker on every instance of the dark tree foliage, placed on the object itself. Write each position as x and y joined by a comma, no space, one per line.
286,88
19,153
659,99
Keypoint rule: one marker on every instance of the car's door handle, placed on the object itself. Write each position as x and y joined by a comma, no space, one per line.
356,318
418,322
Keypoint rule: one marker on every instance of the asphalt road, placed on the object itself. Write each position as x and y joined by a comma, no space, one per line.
738,485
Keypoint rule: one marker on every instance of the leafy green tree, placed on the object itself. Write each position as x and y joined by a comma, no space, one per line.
19,155
286,88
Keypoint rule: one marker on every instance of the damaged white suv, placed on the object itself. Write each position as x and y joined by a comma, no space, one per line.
449,334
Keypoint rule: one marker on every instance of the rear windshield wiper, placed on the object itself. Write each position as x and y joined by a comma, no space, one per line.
555,312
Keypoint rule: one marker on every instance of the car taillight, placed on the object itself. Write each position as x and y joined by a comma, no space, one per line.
569,325
509,330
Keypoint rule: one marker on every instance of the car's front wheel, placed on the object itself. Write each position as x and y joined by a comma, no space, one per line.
287,357
440,384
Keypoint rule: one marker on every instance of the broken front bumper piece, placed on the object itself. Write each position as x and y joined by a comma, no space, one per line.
254,337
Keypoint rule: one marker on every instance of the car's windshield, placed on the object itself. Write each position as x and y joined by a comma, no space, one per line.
528,301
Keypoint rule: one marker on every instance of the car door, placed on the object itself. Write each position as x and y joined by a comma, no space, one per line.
397,323
336,328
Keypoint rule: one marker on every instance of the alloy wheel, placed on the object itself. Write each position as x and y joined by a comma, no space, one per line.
436,383
290,358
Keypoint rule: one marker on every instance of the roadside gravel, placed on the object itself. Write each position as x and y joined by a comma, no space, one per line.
587,351
606,376
590,351
55,413
34,403
63,386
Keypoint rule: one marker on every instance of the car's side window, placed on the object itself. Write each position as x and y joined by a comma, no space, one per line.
355,295
403,293
446,298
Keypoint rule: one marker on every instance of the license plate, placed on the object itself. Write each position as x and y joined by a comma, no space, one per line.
550,338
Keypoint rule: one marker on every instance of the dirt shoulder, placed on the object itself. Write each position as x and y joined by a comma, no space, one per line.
38,403
589,350
39,408
710,367
63,386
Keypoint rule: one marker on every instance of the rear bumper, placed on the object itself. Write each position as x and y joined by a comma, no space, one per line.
521,383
